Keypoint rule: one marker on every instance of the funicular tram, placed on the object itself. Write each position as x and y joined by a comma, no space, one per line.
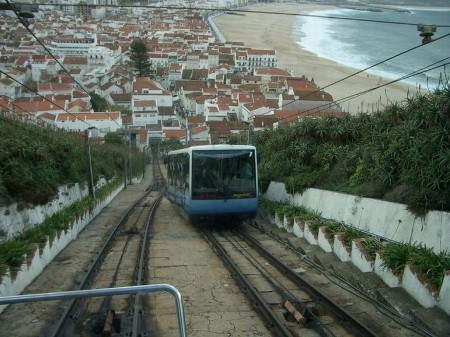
214,181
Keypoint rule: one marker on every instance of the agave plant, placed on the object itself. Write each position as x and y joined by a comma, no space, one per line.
433,266
396,255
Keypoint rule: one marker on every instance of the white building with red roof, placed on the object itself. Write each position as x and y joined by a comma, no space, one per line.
146,89
269,74
104,122
9,88
148,96
54,88
250,110
175,72
145,112
40,107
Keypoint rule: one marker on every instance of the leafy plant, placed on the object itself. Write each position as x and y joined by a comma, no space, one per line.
395,255
433,266
371,245
314,226
350,234
334,227
35,161
13,252
406,144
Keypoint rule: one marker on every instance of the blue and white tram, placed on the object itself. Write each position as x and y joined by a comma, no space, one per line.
214,181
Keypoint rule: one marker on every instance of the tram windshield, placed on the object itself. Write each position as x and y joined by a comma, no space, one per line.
223,174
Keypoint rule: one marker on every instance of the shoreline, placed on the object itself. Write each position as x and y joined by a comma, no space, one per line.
275,31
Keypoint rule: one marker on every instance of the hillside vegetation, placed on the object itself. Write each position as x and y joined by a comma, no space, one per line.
35,161
401,154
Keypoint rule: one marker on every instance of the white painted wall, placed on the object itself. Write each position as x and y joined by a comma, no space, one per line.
382,218
411,281
11,286
16,218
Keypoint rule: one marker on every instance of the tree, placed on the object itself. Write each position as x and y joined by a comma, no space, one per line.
124,110
171,144
98,102
139,58
114,138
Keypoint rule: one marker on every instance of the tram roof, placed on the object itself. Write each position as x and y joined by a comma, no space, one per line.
213,148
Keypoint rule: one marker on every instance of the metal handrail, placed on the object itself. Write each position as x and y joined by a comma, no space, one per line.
105,292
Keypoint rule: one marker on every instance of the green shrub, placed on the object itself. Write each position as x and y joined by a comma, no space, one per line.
13,252
433,266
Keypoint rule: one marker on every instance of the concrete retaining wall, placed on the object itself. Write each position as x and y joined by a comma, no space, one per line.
381,218
44,255
385,219
17,218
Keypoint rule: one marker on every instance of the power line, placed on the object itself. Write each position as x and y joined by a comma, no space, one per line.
417,72
24,23
414,73
356,73
45,98
385,60
338,81
8,120
239,11
262,12
47,124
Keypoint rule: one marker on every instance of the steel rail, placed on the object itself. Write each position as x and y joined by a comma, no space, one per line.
142,263
259,302
313,321
95,265
105,292
347,320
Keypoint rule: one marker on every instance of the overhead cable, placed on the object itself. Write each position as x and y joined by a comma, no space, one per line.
417,72
25,24
45,98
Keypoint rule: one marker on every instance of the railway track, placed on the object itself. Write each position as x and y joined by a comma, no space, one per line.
118,264
121,262
179,255
293,304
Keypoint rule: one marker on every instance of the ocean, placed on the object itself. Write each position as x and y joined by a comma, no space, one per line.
361,44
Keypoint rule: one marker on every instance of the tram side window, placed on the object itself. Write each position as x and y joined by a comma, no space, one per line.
185,170
170,169
180,177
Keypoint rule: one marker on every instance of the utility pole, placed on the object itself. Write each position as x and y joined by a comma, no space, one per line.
188,135
145,160
90,177
125,160
130,157
250,133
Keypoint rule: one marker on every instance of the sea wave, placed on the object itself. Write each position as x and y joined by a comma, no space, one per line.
371,47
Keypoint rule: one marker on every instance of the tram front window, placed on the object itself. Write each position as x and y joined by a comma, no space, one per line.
223,174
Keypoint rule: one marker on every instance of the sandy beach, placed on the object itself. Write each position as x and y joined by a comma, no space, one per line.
274,31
